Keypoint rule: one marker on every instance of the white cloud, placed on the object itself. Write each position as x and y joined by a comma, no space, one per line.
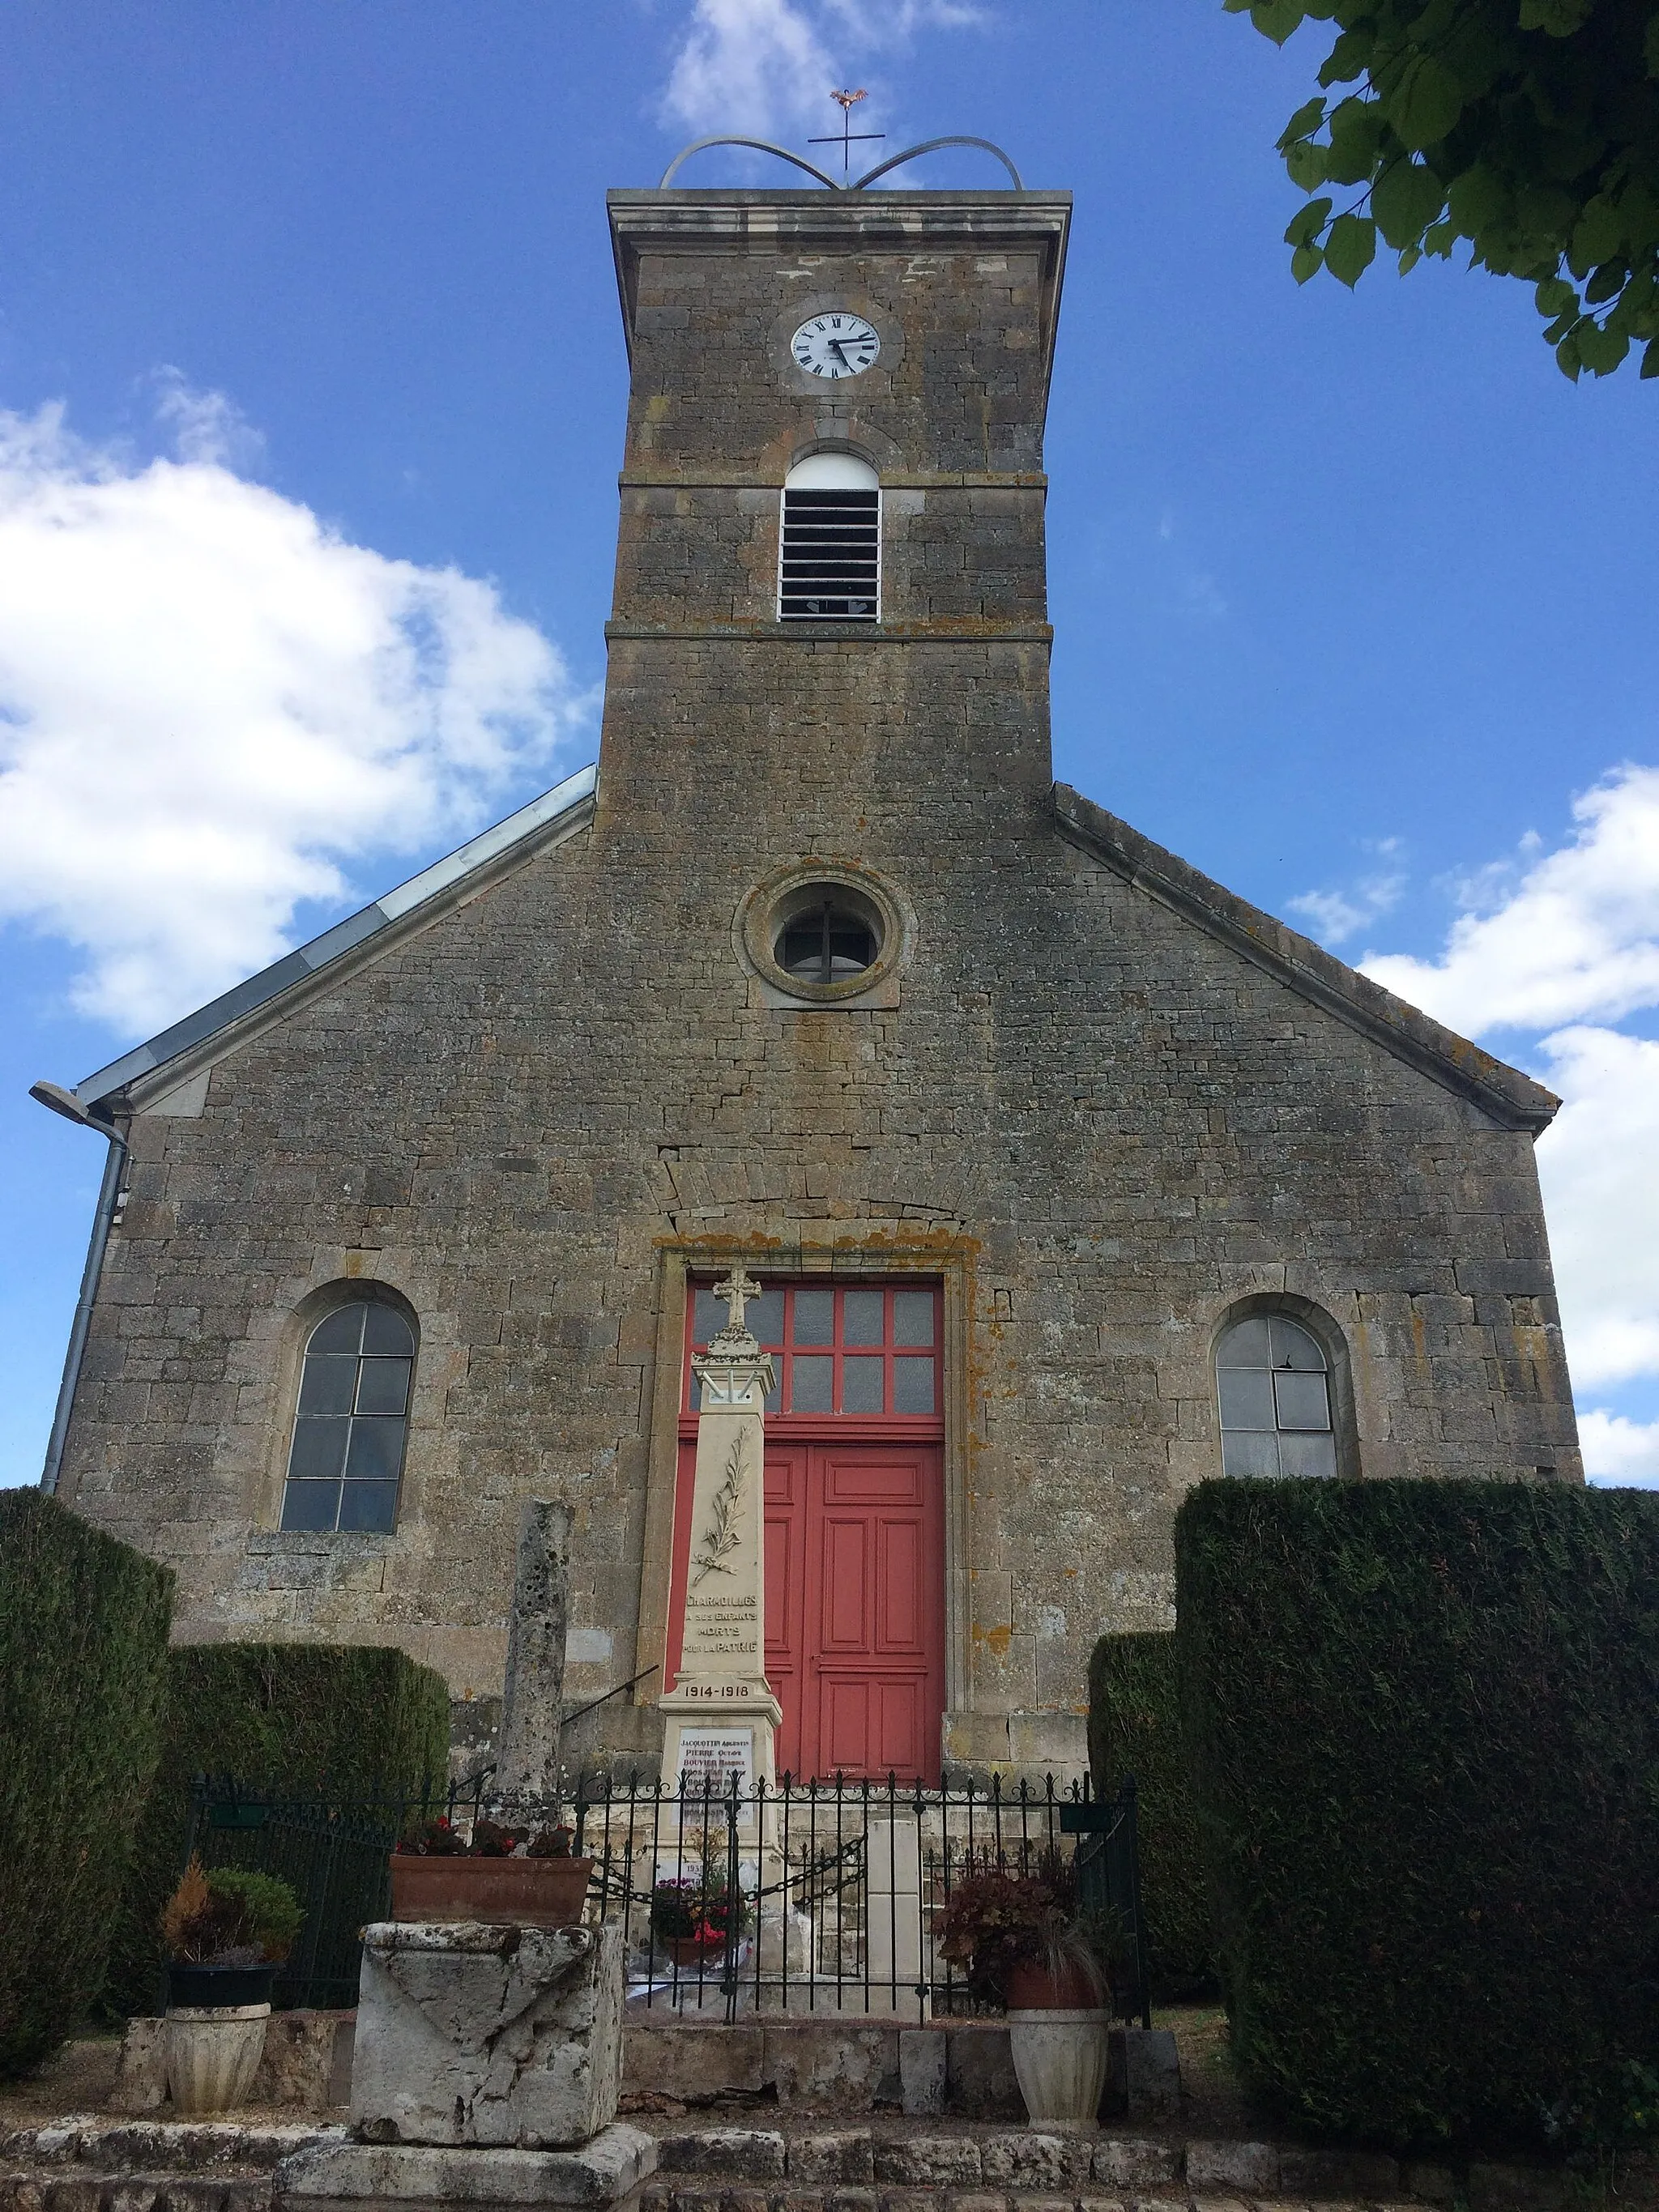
1599,1166
767,67
1577,937
1617,1450
210,704
1564,942
1337,915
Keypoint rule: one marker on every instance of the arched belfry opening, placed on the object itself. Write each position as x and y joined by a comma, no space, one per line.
829,546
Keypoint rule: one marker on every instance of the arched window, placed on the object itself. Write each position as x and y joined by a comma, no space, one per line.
1274,1388
830,558
347,1455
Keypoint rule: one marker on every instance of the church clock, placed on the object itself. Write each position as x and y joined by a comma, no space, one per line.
835,345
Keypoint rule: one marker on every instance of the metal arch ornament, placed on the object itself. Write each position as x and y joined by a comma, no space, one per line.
766,146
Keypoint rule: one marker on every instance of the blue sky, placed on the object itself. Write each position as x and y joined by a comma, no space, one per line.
313,387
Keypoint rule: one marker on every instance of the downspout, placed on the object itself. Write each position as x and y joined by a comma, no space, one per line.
65,1103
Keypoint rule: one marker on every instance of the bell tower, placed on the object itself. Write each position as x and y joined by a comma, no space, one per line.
830,592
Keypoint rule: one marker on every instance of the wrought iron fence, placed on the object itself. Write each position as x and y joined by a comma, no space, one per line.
803,1897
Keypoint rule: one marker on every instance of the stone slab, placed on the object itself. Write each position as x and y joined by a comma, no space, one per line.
843,2158
1136,2162
924,2071
739,2153
1250,2168
602,2172
1152,2074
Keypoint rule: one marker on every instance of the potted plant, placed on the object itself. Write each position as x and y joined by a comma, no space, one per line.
225,1932
692,1918
1024,1938
500,1875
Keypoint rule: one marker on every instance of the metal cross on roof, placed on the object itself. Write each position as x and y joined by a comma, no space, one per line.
845,138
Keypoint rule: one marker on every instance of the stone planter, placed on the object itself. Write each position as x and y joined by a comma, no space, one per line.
500,1893
1059,2058
213,2052
1059,2039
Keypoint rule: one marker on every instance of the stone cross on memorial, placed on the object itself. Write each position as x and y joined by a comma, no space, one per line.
721,1713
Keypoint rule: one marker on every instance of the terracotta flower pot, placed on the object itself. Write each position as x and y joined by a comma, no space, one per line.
522,1892
690,1952
1035,1989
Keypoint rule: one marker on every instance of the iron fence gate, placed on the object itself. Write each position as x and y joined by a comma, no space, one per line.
803,1897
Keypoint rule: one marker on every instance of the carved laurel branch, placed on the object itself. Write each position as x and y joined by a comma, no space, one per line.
720,1537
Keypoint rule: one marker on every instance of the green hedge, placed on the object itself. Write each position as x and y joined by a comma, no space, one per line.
343,1720
1424,1723
1135,1727
84,1633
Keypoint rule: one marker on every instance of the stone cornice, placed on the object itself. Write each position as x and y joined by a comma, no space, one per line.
952,630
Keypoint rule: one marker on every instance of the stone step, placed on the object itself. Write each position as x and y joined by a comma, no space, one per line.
90,2165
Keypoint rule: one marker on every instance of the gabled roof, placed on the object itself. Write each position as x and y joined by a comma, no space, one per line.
1509,1097
562,808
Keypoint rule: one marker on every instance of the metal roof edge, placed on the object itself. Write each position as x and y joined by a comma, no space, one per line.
342,937
1509,1095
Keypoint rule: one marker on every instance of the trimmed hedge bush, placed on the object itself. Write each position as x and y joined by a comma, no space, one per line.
1425,1724
322,1719
1135,1727
83,1635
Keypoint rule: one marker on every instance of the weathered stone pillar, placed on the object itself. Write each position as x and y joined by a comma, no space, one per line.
527,1763
721,1712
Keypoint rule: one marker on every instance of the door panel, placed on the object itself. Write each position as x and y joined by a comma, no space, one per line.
854,1604
874,1686
843,1584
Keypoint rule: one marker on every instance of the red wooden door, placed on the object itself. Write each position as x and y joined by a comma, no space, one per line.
872,1666
854,1605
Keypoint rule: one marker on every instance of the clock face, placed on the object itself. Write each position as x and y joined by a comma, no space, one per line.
835,345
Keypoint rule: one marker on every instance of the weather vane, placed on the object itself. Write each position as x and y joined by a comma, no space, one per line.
847,101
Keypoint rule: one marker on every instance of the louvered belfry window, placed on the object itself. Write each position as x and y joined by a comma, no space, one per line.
830,565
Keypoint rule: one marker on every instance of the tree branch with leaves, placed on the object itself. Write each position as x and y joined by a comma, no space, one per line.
1528,129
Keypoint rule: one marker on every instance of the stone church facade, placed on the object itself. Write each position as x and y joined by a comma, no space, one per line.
823,973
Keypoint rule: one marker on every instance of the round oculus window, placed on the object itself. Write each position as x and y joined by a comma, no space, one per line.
827,943
823,933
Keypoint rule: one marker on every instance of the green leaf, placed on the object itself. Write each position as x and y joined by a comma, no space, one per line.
1349,57
1406,199
1607,282
1302,124
1566,357
1477,199
1560,18
1305,262
1357,127
1554,296
1597,236
1439,238
1601,350
1650,358
1650,56
1306,163
1409,258
1426,102
1307,223
1350,248
1276,19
